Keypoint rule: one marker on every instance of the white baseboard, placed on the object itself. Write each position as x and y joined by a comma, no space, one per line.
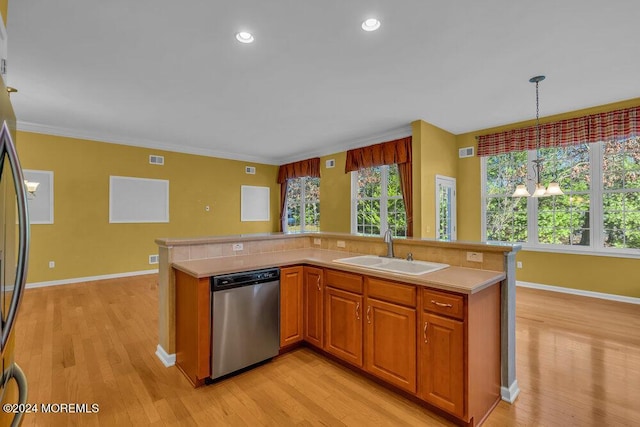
88,279
166,358
510,394
611,297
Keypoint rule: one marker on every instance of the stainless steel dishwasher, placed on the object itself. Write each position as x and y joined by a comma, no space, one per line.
245,319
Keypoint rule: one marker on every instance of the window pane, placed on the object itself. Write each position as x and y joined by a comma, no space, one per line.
568,166
293,204
368,216
505,172
565,220
311,204
621,198
369,182
397,217
621,219
312,216
621,164
506,219
393,182
311,189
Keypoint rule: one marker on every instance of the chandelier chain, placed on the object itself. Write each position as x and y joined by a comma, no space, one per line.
537,117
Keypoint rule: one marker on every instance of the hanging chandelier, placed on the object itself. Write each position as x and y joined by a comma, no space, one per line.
541,191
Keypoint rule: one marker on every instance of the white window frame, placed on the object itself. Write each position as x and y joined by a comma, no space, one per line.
384,201
303,207
447,181
596,219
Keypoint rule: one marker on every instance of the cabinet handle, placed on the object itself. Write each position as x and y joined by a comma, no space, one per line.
424,332
368,311
441,304
358,311
318,283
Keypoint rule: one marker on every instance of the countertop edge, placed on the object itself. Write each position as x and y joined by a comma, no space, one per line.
435,279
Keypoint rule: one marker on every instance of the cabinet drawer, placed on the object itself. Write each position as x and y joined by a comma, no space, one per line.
440,302
391,292
345,281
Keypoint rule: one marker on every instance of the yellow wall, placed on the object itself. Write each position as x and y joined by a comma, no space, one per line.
611,275
4,6
434,153
335,195
83,243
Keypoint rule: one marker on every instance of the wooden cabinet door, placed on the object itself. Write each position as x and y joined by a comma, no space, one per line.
343,325
313,305
442,363
391,343
291,322
193,326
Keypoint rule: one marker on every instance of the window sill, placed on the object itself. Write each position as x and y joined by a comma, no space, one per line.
616,253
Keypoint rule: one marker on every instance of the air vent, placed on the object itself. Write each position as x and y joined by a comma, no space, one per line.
250,170
466,152
330,163
156,160
153,259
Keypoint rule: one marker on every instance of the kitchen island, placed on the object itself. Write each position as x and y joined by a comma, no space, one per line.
462,308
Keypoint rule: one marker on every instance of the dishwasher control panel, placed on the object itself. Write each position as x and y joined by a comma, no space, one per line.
234,280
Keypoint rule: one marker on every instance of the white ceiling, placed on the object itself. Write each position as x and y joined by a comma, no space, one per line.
170,74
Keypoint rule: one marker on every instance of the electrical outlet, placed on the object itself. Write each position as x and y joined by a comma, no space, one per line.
317,241
52,264
519,264
474,256
341,244
237,247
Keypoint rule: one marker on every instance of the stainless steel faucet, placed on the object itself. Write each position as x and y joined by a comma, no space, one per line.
388,239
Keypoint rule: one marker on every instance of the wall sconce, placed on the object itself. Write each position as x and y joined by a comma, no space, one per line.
31,187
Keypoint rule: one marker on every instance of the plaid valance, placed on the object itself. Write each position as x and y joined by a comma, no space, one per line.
613,125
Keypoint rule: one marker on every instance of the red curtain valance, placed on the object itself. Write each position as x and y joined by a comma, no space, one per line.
309,167
397,152
613,125
386,153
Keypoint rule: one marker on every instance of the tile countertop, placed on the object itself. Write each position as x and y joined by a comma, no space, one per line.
456,279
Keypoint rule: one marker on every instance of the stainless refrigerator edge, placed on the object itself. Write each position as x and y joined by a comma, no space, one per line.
14,250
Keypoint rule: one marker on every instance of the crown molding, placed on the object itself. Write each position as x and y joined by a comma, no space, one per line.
395,133
143,143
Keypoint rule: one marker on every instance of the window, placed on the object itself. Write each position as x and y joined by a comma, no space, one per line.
599,212
506,216
377,201
621,193
303,204
566,220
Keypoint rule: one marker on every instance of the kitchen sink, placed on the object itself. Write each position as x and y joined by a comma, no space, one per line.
393,265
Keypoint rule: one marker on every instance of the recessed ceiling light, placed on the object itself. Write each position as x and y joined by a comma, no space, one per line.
371,24
244,37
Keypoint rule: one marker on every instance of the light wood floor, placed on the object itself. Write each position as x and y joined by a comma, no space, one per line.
578,362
